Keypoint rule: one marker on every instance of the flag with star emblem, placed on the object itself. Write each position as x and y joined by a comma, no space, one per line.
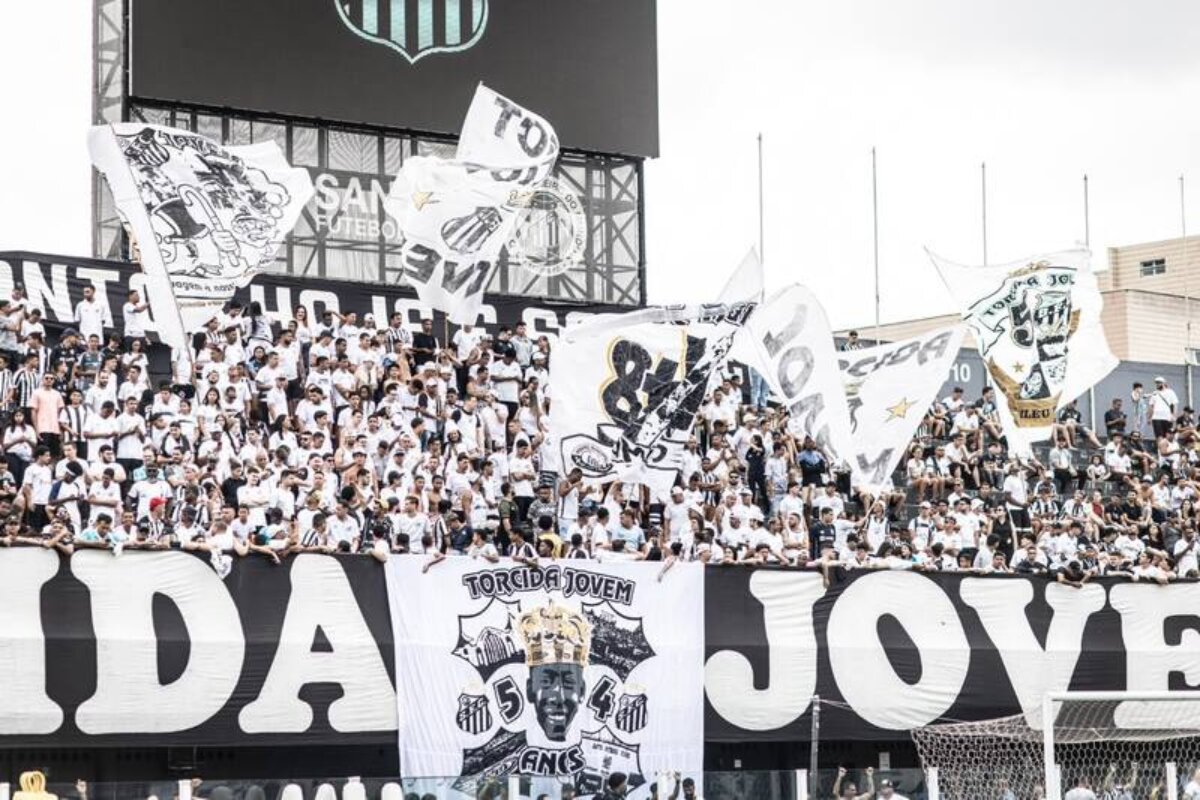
457,214
1037,325
888,390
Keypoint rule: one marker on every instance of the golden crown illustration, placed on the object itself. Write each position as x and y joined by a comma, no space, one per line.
555,635
33,787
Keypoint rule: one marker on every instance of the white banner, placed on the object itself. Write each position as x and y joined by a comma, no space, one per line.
1037,326
626,393
567,673
456,214
889,388
793,349
203,218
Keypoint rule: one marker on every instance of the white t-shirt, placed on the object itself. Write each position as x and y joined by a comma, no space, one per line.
98,490
1014,485
92,318
39,478
1080,793
1161,403
506,391
135,321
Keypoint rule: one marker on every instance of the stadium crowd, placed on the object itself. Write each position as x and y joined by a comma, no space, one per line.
341,434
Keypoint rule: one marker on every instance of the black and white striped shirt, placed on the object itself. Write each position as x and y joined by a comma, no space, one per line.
6,386
75,417
24,384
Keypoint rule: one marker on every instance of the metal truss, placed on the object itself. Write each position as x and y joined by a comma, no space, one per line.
344,233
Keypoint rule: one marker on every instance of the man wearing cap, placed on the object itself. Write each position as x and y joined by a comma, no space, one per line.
150,487
1163,403
887,791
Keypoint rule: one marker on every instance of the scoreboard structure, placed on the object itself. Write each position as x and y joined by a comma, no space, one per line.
351,88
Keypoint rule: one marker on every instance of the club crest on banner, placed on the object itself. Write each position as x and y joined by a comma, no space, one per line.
437,26
563,674
1032,321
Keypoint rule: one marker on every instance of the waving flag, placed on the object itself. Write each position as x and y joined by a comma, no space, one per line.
791,345
888,390
626,395
456,214
205,218
1037,323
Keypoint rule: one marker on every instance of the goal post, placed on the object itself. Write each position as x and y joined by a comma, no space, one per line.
1122,745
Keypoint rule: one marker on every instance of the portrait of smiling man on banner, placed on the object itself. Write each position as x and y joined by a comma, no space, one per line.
557,643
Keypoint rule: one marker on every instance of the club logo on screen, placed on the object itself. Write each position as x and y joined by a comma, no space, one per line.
433,26
551,233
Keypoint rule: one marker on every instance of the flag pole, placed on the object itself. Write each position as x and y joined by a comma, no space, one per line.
1087,223
983,187
761,257
1087,242
875,225
1187,288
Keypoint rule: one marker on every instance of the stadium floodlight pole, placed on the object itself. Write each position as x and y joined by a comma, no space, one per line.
875,221
983,188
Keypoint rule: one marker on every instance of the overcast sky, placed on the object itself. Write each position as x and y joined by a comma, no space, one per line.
1042,90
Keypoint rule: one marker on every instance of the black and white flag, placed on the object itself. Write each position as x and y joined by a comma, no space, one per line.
456,214
627,393
889,388
1037,325
204,218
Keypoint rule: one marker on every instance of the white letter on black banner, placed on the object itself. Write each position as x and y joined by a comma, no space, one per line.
1032,670
860,664
321,598
24,706
787,600
129,698
1150,661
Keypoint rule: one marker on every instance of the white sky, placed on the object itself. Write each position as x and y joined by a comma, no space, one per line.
1042,90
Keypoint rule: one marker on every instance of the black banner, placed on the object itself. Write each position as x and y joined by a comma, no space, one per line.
589,66
156,649
887,651
55,284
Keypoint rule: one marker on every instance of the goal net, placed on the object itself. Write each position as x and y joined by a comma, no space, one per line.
1098,746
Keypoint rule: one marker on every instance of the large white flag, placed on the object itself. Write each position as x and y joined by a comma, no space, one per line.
626,393
456,214
791,345
889,388
1037,324
204,218
564,674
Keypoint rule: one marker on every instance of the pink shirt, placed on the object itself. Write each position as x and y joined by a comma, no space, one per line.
46,403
